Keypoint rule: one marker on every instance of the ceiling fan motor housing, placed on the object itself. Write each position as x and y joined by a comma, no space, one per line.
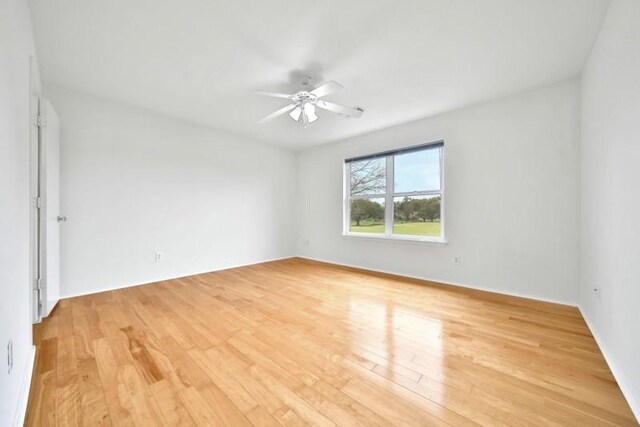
304,96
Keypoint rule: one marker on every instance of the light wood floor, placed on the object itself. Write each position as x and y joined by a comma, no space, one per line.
297,342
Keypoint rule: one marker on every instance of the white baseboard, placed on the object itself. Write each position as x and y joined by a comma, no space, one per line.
25,387
615,370
131,285
448,282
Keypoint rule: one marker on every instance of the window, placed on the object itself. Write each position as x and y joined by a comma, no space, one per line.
396,194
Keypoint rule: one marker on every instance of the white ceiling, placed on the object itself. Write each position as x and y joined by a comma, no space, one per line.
401,60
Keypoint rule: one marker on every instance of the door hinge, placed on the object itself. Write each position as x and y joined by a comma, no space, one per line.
38,284
39,202
41,122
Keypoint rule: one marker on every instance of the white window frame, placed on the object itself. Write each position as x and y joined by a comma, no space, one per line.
389,197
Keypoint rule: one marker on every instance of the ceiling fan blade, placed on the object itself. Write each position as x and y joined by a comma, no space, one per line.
277,113
275,94
326,89
340,109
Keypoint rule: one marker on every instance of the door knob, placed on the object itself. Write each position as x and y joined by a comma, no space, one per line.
62,218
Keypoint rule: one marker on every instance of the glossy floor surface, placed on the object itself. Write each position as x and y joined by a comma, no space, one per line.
296,342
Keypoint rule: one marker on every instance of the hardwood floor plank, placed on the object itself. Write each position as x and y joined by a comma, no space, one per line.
172,409
237,370
116,396
223,407
68,405
227,383
93,404
198,408
258,416
298,342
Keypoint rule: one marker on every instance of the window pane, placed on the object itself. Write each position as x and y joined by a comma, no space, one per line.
417,216
369,177
417,171
367,216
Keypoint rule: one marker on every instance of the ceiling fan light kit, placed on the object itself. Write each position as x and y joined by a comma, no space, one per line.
304,113
304,104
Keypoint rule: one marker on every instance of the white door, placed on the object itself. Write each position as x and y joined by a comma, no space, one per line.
35,187
50,217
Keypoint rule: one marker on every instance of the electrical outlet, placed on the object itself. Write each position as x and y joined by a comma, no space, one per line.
457,259
596,290
305,242
10,356
159,256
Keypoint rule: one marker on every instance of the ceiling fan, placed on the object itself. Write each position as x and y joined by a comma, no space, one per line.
304,104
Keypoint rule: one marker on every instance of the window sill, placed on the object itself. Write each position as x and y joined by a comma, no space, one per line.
413,239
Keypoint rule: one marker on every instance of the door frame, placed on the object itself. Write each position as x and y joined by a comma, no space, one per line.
45,210
34,106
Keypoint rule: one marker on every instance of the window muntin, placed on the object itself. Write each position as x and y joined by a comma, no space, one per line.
406,184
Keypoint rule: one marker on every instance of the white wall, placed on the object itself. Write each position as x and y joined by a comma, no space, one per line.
134,183
511,177
611,194
16,45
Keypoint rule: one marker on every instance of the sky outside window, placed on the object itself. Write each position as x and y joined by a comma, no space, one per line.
417,171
